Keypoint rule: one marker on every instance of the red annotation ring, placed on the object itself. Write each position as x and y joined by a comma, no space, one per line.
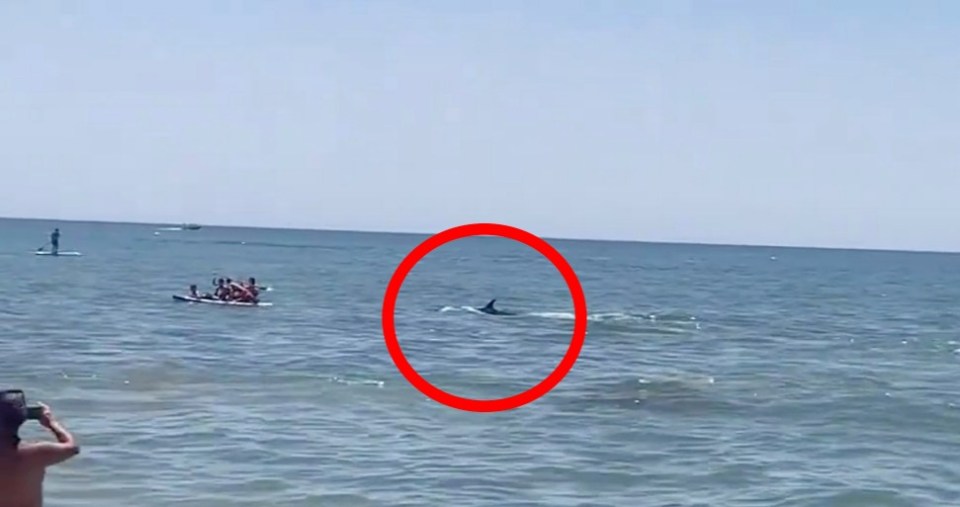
468,404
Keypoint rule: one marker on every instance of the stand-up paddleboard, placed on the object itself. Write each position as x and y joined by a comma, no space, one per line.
58,254
188,299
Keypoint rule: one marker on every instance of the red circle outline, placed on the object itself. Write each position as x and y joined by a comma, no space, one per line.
484,229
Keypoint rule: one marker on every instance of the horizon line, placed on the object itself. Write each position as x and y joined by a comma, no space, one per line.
423,233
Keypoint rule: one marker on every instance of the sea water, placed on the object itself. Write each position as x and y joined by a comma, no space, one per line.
710,376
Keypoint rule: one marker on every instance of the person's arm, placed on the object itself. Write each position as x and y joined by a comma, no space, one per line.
63,436
50,453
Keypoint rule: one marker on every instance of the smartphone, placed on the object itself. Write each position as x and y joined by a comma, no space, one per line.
34,413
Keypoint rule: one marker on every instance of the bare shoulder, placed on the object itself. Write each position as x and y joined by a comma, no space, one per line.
47,453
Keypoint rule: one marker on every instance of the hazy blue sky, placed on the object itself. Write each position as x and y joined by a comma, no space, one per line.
833,123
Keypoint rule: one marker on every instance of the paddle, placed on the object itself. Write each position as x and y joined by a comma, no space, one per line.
44,246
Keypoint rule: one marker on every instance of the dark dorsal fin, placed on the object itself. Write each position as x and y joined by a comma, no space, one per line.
490,305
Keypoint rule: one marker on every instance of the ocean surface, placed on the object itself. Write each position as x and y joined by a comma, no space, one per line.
710,376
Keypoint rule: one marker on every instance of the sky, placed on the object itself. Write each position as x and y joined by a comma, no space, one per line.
816,123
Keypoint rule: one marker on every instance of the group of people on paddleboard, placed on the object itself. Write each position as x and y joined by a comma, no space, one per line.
225,289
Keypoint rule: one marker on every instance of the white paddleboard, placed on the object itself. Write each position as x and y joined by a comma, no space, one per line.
59,254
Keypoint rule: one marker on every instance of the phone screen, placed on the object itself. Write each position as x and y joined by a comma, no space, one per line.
34,413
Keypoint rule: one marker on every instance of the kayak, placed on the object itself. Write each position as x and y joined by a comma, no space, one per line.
188,299
59,254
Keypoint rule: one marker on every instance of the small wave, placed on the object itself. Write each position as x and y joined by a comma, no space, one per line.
596,317
617,317
553,315
360,382
469,309
598,259
267,244
677,383
680,393
603,317
262,244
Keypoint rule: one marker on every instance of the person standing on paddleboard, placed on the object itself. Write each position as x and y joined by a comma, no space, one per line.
55,240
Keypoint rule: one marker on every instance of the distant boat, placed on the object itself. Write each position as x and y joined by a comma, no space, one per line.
191,227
